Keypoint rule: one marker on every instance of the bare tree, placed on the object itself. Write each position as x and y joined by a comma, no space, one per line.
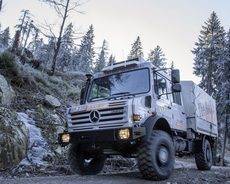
63,9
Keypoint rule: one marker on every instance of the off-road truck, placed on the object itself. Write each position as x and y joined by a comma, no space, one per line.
139,111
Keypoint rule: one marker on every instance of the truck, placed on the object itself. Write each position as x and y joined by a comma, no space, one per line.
137,110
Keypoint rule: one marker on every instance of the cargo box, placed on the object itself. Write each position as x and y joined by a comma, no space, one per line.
200,109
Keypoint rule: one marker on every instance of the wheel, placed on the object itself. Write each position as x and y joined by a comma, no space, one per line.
157,156
85,163
203,155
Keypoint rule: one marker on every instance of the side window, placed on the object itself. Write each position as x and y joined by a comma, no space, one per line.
177,98
160,86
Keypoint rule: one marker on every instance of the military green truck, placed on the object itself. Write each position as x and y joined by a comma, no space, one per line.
136,110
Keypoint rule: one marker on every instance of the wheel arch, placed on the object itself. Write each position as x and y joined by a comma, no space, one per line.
157,123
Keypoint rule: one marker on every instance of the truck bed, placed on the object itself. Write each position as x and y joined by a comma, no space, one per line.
200,109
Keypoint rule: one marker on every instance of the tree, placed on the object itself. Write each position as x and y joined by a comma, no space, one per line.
44,52
101,61
63,9
112,60
5,37
223,97
66,49
157,57
23,23
83,59
211,64
172,66
136,50
209,51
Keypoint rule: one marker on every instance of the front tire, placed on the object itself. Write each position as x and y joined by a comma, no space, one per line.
85,163
157,156
203,156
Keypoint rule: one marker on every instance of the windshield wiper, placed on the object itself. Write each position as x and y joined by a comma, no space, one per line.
121,93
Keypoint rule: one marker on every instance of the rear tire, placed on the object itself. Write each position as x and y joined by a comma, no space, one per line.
157,156
203,156
85,163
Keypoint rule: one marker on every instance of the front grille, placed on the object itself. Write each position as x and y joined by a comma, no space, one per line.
113,116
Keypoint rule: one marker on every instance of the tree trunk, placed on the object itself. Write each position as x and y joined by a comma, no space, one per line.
27,36
16,42
56,51
223,149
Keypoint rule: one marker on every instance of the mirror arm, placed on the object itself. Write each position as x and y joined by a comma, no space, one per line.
164,94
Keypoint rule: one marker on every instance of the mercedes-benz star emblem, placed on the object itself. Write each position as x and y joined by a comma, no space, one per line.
94,116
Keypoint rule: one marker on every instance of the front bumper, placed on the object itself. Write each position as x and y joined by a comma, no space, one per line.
102,136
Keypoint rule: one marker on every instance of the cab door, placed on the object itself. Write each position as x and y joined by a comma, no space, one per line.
178,113
163,104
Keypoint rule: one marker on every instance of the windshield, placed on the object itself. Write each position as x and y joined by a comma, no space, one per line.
127,83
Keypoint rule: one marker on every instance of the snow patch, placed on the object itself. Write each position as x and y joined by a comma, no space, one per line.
38,146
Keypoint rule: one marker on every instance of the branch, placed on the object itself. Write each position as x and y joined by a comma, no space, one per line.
50,29
76,4
57,9
54,3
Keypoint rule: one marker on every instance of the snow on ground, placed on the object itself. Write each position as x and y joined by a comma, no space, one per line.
38,146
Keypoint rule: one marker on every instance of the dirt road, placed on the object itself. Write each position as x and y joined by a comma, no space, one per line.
180,175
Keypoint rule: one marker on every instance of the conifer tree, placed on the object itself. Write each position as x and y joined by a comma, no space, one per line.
5,37
112,60
157,57
66,49
223,94
136,50
101,61
209,51
83,59
44,52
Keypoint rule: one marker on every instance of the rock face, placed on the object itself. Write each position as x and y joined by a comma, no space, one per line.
6,92
13,139
52,101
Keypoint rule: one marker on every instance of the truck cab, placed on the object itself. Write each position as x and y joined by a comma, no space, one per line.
135,110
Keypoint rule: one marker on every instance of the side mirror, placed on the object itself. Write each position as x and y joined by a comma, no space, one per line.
176,87
82,96
175,75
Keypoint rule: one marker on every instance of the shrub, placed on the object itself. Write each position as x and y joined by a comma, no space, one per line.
7,64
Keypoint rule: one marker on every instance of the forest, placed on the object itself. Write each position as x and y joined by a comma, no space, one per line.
42,72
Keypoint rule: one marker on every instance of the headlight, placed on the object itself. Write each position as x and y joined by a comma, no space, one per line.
124,133
65,138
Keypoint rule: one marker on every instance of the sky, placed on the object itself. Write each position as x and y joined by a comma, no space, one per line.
174,25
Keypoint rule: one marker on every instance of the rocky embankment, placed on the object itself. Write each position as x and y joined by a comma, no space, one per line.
32,113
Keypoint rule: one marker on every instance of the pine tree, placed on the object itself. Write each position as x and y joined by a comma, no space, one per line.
39,50
209,51
44,52
223,98
66,49
101,61
83,59
112,60
157,57
136,50
5,37
223,84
